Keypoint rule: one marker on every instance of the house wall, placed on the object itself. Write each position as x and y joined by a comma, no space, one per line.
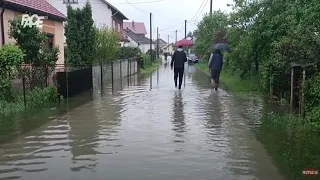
101,13
48,26
132,43
143,47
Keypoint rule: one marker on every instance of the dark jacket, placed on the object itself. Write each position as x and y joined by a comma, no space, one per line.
179,57
216,61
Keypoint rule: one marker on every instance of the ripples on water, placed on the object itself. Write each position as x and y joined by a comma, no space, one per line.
138,133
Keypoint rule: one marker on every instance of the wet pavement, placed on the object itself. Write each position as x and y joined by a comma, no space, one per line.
145,129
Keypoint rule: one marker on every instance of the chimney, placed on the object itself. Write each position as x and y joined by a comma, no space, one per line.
133,24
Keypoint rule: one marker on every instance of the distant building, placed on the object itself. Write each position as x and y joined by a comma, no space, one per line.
168,48
138,40
135,27
162,43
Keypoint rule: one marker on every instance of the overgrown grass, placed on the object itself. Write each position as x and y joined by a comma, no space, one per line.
36,98
292,141
149,68
250,85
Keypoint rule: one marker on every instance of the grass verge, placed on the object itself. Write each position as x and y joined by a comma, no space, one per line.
36,98
150,68
235,84
291,141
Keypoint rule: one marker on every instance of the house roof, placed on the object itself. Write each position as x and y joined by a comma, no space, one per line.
40,7
115,11
162,41
171,44
136,27
139,38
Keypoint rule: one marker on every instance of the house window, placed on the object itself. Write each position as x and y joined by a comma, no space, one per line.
114,24
119,27
49,43
70,1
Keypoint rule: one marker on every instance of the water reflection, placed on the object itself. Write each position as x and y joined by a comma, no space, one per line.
140,134
214,111
179,125
83,139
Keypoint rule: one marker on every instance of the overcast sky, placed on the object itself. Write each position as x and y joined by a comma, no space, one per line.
168,15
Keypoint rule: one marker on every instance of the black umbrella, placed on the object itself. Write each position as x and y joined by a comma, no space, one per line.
221,46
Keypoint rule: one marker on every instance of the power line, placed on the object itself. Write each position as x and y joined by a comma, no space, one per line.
170,27
201,11
135,6
197,11
142,2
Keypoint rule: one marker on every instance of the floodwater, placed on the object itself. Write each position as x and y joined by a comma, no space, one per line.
145,129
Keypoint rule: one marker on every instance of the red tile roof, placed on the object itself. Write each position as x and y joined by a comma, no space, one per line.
135,27
36,5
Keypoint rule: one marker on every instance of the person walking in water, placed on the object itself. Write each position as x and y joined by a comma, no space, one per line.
165,56
179,58
215,66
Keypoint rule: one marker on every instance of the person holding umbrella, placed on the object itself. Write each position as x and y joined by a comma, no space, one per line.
215,64
179,58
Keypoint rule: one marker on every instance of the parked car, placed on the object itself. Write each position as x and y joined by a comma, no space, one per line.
192,59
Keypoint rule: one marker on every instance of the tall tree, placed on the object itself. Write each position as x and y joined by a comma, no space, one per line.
80,34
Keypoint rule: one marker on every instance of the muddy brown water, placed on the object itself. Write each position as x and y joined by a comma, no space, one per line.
145,129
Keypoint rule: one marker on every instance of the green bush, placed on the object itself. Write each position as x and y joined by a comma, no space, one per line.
127,52
106,44
145,61
36,98
39,97
10,58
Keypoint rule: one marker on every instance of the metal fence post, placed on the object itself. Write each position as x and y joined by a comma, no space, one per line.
101,74
270,83
112,74
121,74
302,90
128,68
101,77
120,69
24,92
292,89
46,75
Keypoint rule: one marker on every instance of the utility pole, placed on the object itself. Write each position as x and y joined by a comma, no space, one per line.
158,42
185,29
151,36
176,35
210,7
168,44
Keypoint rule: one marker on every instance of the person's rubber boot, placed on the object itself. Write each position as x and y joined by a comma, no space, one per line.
216,87
212,82
179,86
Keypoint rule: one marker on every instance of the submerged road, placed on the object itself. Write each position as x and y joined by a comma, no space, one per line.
145,131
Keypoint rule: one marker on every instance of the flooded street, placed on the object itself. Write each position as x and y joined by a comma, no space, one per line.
146,131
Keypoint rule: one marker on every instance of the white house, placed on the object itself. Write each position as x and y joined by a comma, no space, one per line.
169,48
103,13
138,40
